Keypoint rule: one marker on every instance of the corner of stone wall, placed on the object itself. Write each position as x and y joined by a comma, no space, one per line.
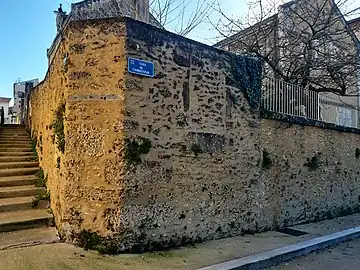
85,80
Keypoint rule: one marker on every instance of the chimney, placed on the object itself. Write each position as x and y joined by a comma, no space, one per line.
142,10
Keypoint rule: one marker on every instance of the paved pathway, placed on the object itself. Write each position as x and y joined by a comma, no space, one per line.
344,256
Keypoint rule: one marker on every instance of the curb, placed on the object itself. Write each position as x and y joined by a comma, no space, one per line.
283,254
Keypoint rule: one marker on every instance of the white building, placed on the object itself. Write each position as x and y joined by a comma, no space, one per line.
4,102
21,91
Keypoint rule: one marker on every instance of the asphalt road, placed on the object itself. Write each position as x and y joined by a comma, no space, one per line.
344,256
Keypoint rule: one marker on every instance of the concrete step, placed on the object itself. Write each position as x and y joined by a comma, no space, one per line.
11,134
16,146
18,171
15,149
14,134
15,142
19,191
17,159
27,219
22,180
5,154
29,237
20,203
12,165
12,140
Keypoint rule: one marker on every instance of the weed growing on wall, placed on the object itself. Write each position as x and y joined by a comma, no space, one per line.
58,126
41,178
135,148
91,240
33,145
266,160
313,163
58,160
40,196
196,149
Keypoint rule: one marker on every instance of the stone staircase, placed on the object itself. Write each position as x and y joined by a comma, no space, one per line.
21,223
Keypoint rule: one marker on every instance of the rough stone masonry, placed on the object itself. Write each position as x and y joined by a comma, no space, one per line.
137,163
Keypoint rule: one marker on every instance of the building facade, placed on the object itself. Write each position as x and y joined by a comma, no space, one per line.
21,93
4,103
308,44
355,26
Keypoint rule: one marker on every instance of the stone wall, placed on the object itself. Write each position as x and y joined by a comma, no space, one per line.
182,157
84,83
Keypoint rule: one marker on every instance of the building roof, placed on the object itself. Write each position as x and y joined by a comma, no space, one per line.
245,31
353,21
4,99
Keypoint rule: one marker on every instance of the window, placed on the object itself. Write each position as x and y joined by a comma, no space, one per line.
344,117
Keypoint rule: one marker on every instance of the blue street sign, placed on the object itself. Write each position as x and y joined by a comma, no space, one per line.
141,67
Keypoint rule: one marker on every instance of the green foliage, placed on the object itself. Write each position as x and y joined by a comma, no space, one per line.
58,126
58,160
357,153
313,163
88,240
196,149
135,148
91,240
33,144
266,160
40,196
41,178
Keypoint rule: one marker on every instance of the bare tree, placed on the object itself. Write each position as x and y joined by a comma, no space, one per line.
179,16
307,43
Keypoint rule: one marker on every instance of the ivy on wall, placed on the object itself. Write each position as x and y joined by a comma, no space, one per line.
246,74
58,126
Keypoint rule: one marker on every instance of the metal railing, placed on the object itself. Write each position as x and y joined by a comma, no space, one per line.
290,99
286,98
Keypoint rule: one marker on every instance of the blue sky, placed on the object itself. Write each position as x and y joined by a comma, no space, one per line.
27,29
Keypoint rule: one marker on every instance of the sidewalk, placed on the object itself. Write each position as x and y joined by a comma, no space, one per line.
65,256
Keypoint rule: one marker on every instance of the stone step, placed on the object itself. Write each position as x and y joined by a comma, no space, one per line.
27,219
21,203
16,143
17,158
18,171
16,146
4,154
22,126
14,134
15,149
27,142
12,140
13,165
29,237
21,180
19,191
